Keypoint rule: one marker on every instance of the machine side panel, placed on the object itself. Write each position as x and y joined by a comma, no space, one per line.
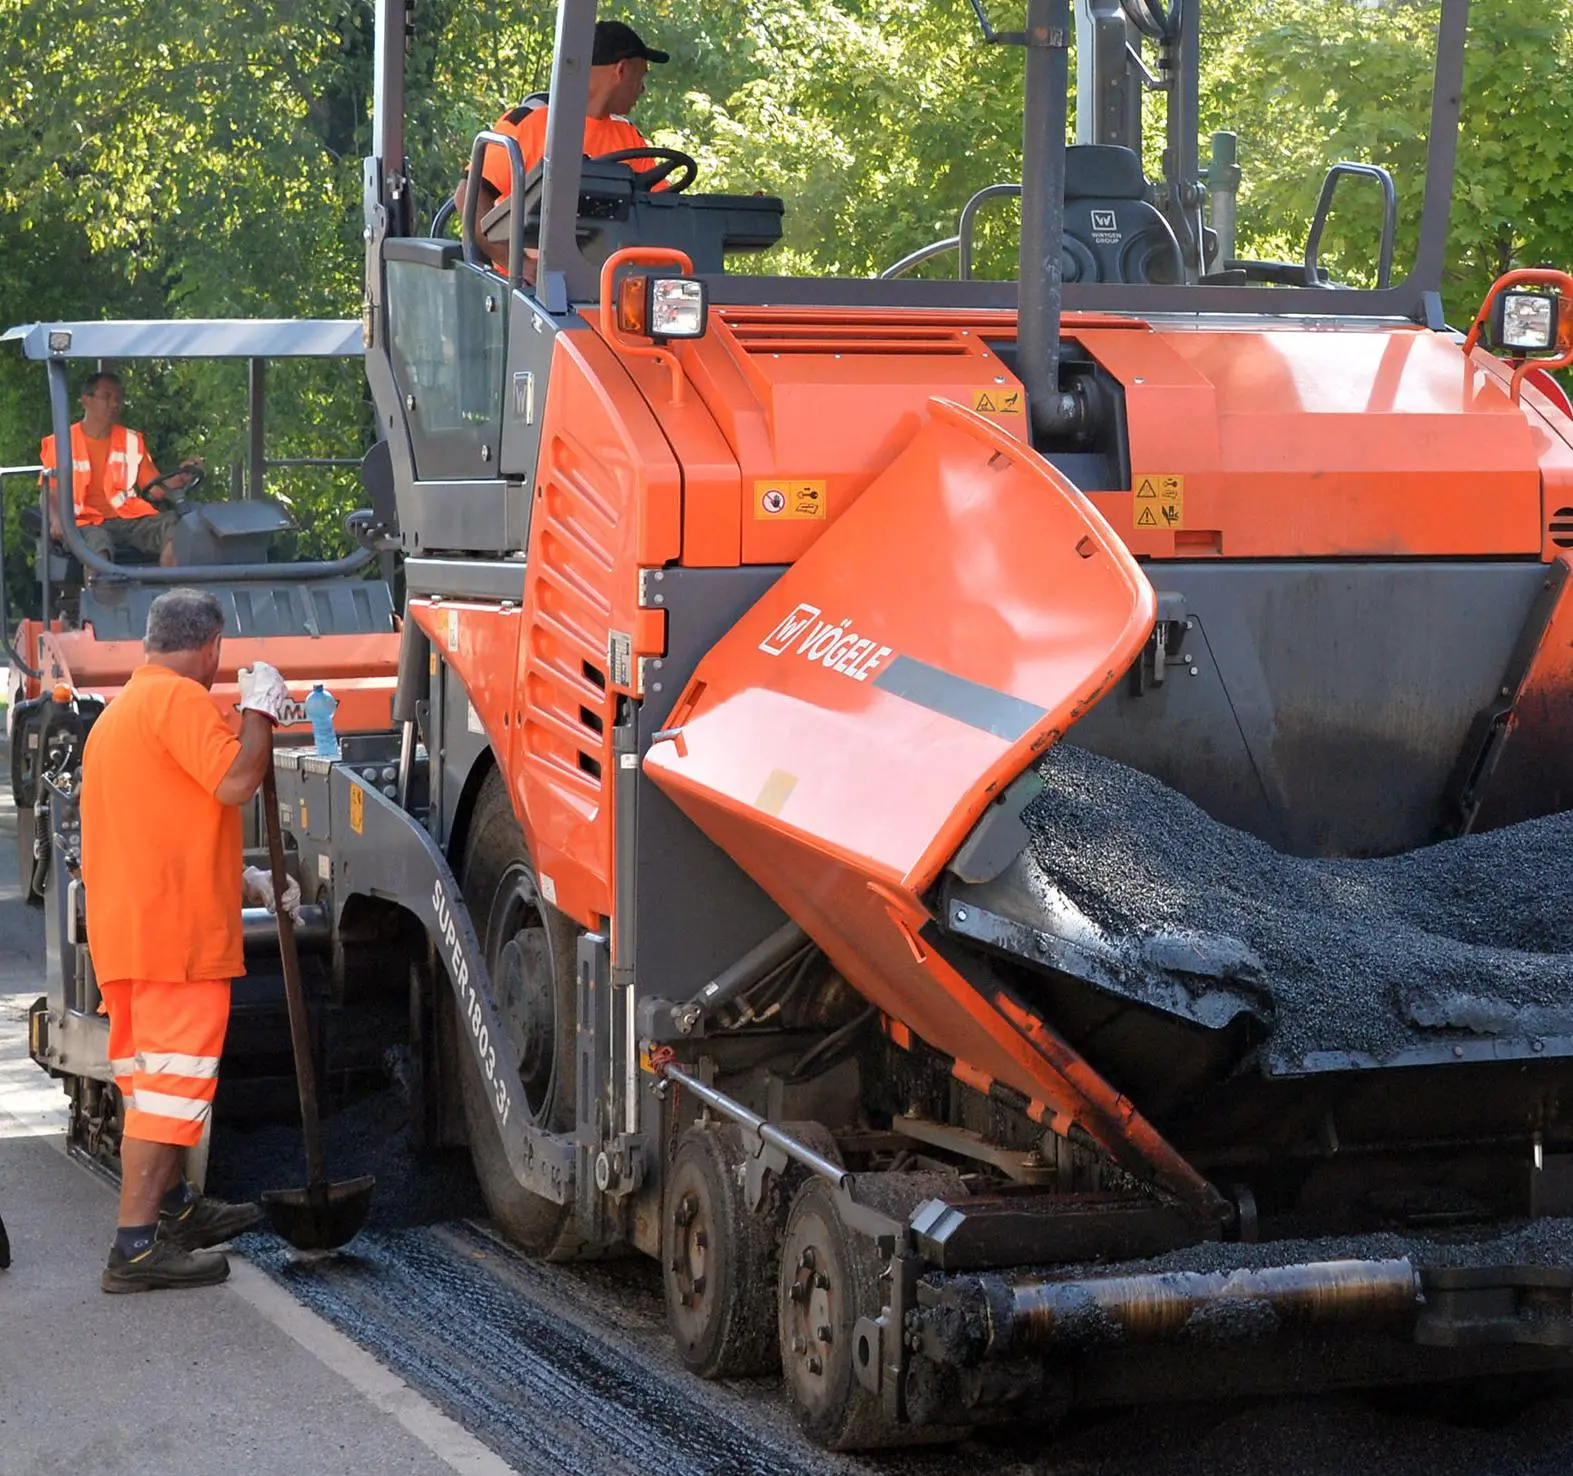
608,505
1364,440
1321,706
696,909
814,405
1377,442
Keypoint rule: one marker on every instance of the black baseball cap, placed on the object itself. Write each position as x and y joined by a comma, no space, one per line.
615,42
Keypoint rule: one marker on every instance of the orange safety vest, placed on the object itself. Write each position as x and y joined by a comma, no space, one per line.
124,467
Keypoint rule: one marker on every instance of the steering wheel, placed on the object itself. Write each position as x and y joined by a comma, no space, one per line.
668,161
177,500
1159,20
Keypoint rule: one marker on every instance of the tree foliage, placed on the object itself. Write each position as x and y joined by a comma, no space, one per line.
179,157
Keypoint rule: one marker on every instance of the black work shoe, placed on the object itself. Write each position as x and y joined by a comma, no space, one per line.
163,1264
206,1222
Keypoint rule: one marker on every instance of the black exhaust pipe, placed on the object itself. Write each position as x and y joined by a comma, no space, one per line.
1041,288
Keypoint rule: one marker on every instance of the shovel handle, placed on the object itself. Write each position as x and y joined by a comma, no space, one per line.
299,1025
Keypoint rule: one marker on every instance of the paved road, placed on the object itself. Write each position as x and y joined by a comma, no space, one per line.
431,1348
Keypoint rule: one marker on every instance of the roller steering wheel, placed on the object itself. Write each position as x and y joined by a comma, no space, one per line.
668,162
177,500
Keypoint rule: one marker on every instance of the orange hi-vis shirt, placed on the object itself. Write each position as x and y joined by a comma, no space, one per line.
161,858
601,136
91,459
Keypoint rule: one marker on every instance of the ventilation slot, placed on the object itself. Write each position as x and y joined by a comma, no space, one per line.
760,334
1561,527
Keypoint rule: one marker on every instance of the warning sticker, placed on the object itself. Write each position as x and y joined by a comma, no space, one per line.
1002,401
357,809
1159,502
789,500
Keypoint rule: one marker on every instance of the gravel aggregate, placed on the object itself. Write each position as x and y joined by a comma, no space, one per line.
369,1135
1367,956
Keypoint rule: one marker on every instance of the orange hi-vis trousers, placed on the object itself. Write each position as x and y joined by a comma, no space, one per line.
165,1040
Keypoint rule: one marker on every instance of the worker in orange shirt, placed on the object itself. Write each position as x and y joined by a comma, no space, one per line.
619,60
163,778
109,464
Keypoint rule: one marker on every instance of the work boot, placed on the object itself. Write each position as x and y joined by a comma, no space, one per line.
163,1264
205,1222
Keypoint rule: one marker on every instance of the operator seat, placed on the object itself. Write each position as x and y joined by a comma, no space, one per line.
1112,233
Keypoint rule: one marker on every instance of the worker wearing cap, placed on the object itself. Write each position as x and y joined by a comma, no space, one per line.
619,60
109,464
163,778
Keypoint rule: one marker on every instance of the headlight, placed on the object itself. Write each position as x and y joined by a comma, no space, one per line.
1526,322
663,307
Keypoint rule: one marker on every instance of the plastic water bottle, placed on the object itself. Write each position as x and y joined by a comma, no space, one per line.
320,707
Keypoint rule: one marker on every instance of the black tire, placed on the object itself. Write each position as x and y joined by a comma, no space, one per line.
830,1277
529,949
718,1259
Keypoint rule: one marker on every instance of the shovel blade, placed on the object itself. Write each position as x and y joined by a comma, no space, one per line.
320,1216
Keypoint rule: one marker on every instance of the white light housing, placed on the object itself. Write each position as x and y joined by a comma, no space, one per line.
678,308
1527,322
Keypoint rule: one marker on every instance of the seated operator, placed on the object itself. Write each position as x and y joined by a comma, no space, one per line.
618,63
109,465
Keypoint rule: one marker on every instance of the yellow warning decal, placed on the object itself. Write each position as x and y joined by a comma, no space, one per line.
357,809
1159,502
782,500
305,819
998,402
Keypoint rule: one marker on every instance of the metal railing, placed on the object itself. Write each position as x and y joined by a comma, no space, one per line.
961,242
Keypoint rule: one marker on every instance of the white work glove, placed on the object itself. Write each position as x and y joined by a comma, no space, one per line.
262,690
256,888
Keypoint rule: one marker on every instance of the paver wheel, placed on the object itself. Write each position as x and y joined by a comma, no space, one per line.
830,1277
529,950
718,1258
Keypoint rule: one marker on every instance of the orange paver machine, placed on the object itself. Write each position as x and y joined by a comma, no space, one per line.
755,630
330,621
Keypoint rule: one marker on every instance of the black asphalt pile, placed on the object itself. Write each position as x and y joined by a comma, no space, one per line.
370,1135
1360,956
1543,1242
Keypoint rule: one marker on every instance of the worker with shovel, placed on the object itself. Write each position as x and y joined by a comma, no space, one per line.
163,778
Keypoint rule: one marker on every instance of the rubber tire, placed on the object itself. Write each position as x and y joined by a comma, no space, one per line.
848,1416
737,1339
493,846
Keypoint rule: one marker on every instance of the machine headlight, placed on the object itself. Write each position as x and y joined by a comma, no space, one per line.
677,307
663,307
1526,322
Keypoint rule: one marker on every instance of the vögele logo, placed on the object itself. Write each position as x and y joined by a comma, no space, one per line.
789,630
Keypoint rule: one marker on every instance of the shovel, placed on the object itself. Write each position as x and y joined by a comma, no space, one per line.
322,1215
